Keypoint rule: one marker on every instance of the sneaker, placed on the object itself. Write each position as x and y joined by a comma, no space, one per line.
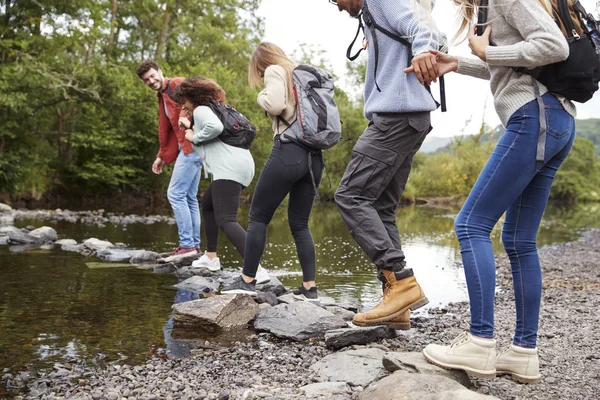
520,362
306,294
198,250
402,292
262,275
212,264
240,286
475,356
180,252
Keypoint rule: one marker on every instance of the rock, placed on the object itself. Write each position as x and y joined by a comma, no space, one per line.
4,229
266,297
7,219
72,247
97,244
18,237
144,257
343,313
180,262
198,284
273,286
117,255
356,367
23,248
5,207
288,299
325,389
403,385
4,240
297,321
338,338
216,313
415,362
45,233
66,242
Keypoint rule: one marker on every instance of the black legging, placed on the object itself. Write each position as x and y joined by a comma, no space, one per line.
286,171
220,205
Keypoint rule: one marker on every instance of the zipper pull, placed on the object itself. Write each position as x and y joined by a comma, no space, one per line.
575,34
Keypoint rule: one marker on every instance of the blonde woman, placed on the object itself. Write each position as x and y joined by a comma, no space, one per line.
524,35
285,172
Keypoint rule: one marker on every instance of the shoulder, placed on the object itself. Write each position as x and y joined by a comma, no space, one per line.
275,71
176,81
203,113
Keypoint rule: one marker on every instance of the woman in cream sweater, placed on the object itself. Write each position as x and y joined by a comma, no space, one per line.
285,172
512,182
231,168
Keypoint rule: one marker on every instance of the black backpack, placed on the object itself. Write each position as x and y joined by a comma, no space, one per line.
237,130
373,26
577,77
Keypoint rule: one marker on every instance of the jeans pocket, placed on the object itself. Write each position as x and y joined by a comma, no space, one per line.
559,123
291,154
369,169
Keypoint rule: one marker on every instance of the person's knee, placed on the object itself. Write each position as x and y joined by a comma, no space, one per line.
516,245
175,195
298,224
223,220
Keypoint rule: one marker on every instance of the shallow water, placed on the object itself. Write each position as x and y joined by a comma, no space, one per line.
59,306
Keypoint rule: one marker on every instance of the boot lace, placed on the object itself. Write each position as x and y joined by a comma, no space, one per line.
460,339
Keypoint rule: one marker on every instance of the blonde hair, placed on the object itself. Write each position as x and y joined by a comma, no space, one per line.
265,55
467,13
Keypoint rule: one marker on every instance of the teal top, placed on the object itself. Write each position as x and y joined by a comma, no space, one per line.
222,161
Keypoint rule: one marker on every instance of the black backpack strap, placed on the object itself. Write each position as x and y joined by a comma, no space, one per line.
565,17
589,18
442,94
361,27
482,14
170,91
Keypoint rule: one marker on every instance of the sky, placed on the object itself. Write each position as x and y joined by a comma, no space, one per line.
319,24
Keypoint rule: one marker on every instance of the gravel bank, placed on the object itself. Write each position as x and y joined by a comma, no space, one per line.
265,367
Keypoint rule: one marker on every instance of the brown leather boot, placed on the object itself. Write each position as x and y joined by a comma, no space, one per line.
401,322
402,293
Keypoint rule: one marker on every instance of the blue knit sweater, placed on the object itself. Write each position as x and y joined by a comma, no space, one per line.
400,92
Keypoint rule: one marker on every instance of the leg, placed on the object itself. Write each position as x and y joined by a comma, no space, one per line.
210,222
186,174
192,197
226,199
376,159
302,197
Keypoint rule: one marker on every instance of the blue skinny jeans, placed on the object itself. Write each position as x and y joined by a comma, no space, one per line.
511,182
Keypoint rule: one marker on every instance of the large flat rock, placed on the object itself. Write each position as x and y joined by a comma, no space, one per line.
18,237
198,284
355,367
97,244
46,233
338,338
297,321
415,362
216,313
326,389
403,385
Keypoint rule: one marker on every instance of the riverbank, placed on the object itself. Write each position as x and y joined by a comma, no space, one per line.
266,367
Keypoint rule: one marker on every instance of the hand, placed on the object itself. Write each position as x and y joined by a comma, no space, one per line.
157,165
425,68
479,44
184,123
446,63
189,135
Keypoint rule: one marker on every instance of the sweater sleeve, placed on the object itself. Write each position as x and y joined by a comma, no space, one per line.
473,67
543,43
273,97
416,25
207,125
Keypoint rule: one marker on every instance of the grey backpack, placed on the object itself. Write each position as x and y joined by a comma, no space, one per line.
318,125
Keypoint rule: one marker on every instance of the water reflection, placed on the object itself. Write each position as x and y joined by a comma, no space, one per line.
53,307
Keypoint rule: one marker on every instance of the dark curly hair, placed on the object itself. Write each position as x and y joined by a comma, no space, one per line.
199,91
146,66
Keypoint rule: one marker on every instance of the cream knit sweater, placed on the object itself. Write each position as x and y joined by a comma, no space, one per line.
525,36
273,98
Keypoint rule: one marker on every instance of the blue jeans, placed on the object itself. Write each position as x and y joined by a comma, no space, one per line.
183,196
511,183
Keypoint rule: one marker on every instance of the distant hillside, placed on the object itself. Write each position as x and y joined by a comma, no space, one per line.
585,128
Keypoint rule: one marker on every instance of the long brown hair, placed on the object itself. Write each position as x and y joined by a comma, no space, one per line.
200,91
265,55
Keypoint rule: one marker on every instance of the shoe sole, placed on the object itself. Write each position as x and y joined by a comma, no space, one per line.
470,371
240,291
400,326
263,281
423,301
302,297
520,378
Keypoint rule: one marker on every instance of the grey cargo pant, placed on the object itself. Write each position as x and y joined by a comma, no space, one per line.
374,181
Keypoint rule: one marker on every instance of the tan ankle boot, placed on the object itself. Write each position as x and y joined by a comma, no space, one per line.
401,322
402,293
520,362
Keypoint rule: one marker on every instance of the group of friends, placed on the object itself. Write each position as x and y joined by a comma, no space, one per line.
397,104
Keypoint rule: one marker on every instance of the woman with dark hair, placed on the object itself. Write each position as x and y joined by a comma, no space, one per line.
231,168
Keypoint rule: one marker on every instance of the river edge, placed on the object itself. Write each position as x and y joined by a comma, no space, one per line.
266,367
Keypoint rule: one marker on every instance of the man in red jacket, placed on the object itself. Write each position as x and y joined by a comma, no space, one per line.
183,188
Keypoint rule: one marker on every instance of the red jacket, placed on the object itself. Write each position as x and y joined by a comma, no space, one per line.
170,137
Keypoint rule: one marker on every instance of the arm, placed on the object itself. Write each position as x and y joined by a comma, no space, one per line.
473,67
543,42
207,125
273,97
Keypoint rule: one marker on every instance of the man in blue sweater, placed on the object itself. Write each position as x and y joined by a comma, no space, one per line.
397,106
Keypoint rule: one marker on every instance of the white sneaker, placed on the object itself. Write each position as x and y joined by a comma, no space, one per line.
205,262
520,362
473,355
262,275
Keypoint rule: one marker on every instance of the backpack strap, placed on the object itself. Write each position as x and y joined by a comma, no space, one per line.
361,27
170,91
589,18
565,17
482,14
